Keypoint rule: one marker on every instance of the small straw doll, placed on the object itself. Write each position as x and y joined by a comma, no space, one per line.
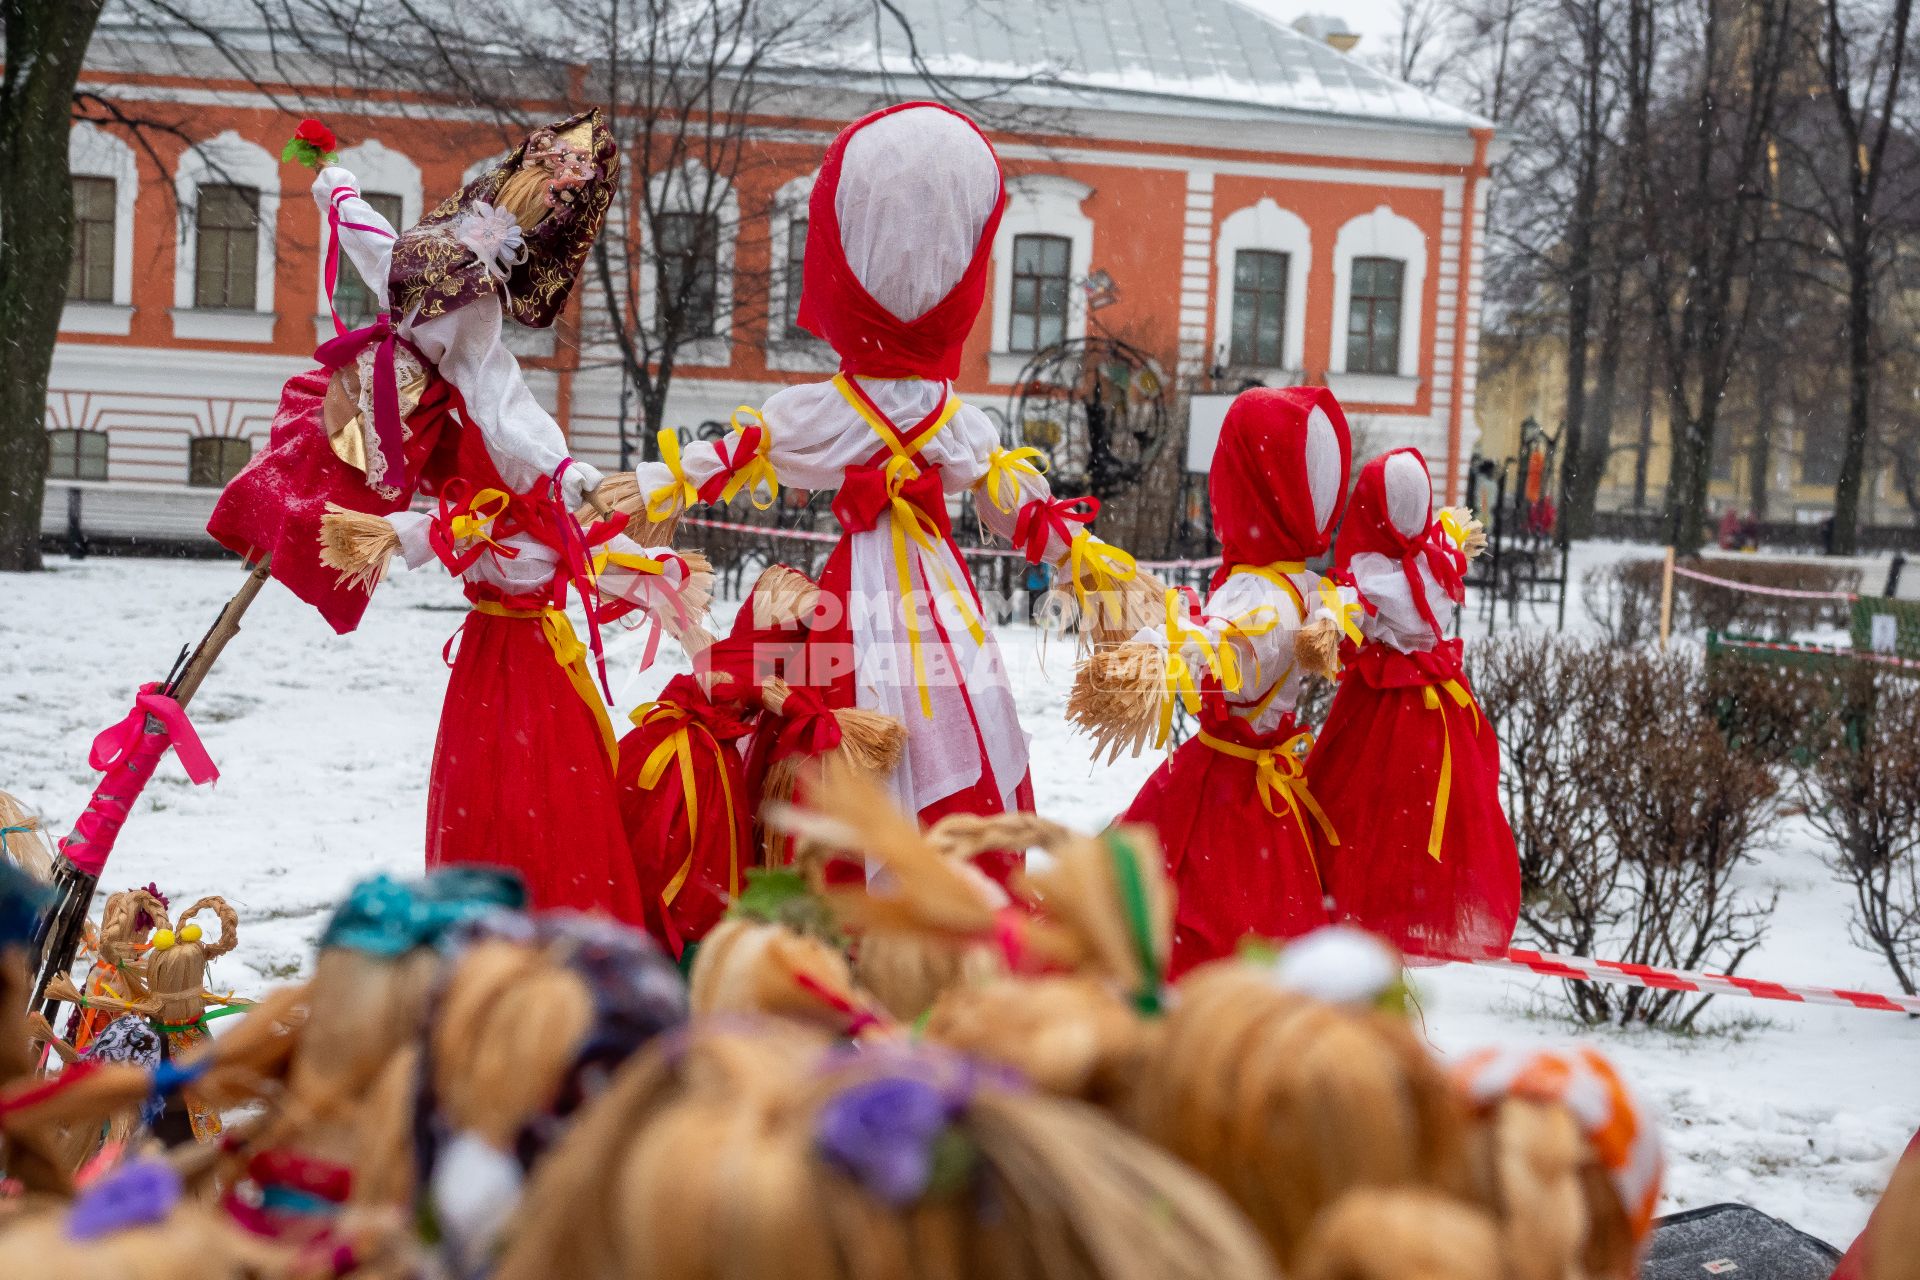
531,1019
1402,1233
1568,1158
1243,834
1434,870
885,1163
1289,1103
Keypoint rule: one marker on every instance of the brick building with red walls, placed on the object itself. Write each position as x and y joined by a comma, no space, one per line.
1256,205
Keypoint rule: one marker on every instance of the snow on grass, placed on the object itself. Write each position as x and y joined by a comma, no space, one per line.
324,744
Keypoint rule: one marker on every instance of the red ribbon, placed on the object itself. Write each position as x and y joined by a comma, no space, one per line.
128,753
37,1091
864,497
1051,517
456,500
858,1019
1447,563
743,453
336,353
810,728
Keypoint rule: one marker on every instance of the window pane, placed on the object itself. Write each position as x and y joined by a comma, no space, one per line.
93,455
214,460
689,270
90,278
76,455
60,455
1359,354
796,274
1040,292
1259,307
226,249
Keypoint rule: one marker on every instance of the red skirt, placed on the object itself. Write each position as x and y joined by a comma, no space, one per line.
1410,777
1238,870
521,777
274,506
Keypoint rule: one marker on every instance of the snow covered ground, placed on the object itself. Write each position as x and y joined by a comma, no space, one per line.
324,743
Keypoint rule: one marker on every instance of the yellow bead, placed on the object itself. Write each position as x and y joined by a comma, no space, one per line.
190,934
162,939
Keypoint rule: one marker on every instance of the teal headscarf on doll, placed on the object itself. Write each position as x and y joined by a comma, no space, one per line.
388,917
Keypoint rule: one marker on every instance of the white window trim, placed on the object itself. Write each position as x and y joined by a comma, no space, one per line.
670,190
1043,204
381,170
1263,225
785,353
225,158
1379,234
94,153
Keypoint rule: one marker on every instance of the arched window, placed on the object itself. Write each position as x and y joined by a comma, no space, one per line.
1379,277
688,266
1042,283
1042,254
390,182
106,182
229,196
76,455
1261,260
214,460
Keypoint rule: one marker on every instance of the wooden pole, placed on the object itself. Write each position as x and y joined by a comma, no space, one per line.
1666,598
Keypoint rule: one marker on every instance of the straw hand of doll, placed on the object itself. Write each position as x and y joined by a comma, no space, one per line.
1465,529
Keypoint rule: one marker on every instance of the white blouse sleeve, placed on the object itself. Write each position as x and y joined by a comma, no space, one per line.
1396,618
804,446
1256,618
524,442
369,252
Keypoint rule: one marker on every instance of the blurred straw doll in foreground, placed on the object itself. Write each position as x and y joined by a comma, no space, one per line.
1243,834
899,241
1407,767
429,398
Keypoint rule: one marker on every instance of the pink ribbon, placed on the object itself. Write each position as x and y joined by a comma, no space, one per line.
345,346
128,753
333,248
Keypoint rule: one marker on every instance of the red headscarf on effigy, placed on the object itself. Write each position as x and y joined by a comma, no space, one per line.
1392,515
1277,476
871,340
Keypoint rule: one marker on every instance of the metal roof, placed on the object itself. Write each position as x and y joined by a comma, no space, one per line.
1205,52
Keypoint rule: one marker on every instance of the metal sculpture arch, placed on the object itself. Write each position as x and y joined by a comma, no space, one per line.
1099,408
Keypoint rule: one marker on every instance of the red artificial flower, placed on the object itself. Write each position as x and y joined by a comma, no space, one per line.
316,135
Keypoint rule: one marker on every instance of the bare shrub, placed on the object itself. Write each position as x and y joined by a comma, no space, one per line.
1776,713
1537,691
1684,809
1863,794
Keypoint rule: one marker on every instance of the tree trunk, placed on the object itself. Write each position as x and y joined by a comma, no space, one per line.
1853,463
1643,450
46,46
1583,486
1765,420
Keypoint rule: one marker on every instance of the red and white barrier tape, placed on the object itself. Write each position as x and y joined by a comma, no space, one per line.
1754,588
1581,969
809,535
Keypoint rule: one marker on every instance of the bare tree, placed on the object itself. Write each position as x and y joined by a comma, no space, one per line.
1700,164
46,47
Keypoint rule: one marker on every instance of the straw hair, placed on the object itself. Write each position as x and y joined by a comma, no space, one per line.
1316,647
524,195
1117,694
505,1036
967,835
1289,1103
1402,1235
1071,1036
1081,894
357,546
907,972
701,1160
176,976
1557,1213
193,1242
744,967
783,597
32,850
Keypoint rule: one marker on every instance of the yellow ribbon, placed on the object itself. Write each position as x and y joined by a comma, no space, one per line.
1107,565
478,523
572,657
677,748
1254,622
1443,793
1451,525
1279,771
888,433
757,474
679,493
1344,611
1180,682
1005,467
912,525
